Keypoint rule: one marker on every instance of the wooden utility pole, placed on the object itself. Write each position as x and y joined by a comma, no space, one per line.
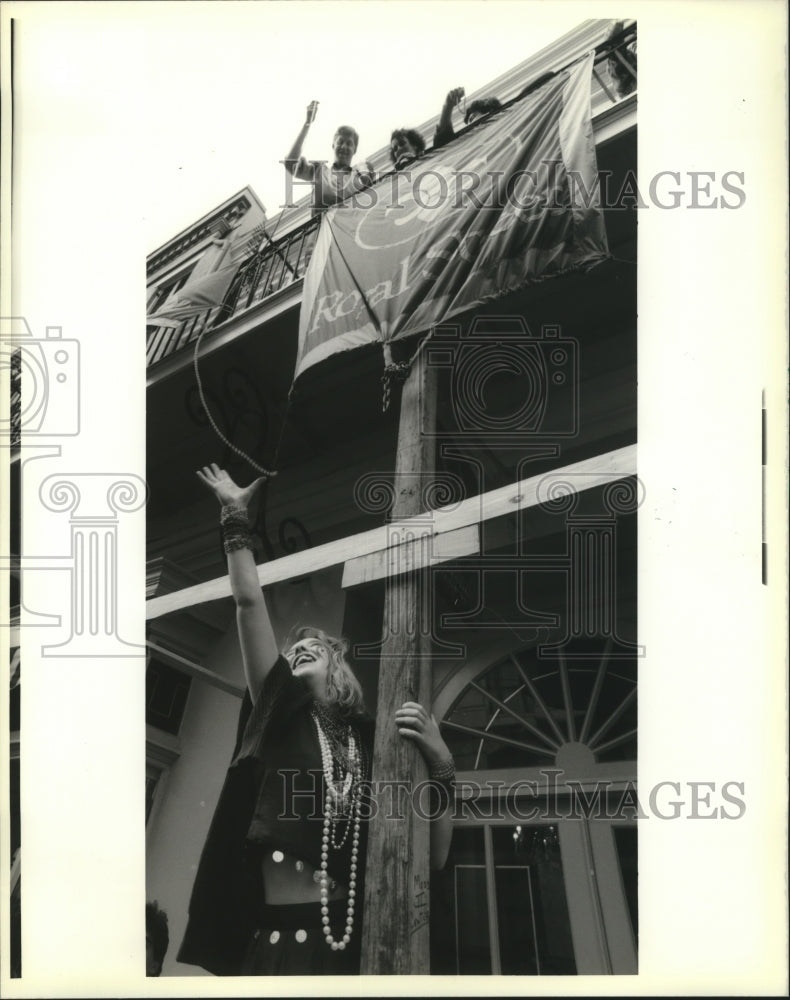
395,937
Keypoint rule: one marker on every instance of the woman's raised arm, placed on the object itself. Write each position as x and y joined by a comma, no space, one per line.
256,636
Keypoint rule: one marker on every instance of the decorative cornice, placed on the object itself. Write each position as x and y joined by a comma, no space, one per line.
217,222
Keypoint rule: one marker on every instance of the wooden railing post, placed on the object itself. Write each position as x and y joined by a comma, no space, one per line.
395,938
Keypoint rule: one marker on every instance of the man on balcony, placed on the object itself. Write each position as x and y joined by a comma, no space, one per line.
330,184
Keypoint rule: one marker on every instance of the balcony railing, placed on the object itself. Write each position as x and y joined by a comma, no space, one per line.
280,263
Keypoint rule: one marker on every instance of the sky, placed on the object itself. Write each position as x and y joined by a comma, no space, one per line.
224,87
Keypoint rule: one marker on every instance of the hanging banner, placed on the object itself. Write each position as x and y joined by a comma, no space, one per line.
513,202
209,290
195,297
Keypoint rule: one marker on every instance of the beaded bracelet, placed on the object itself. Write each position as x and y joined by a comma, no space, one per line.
234,514
235,528
444,771
443,780
238,539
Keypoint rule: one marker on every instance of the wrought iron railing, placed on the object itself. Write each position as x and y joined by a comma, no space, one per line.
277,264
281,262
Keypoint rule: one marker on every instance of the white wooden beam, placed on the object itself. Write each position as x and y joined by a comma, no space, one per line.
590,473
418,550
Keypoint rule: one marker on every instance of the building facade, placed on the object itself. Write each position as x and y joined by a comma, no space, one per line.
530,602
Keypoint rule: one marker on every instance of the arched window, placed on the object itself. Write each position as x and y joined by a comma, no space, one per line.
526,711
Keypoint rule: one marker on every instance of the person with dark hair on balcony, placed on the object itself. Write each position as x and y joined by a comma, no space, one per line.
477,109
157,938
622,70
330,184
279,888
406,144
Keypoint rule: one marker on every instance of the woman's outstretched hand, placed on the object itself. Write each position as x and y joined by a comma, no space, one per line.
417,725
225,490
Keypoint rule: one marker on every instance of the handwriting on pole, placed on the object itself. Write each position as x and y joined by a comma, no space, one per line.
421,903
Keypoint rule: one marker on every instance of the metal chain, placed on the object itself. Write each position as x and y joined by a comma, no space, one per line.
398,371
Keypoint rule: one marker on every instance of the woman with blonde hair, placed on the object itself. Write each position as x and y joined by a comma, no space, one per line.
280,884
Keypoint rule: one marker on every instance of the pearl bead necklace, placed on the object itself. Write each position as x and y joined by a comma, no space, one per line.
345,802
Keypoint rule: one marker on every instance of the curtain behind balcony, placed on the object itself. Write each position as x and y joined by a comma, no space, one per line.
513,201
